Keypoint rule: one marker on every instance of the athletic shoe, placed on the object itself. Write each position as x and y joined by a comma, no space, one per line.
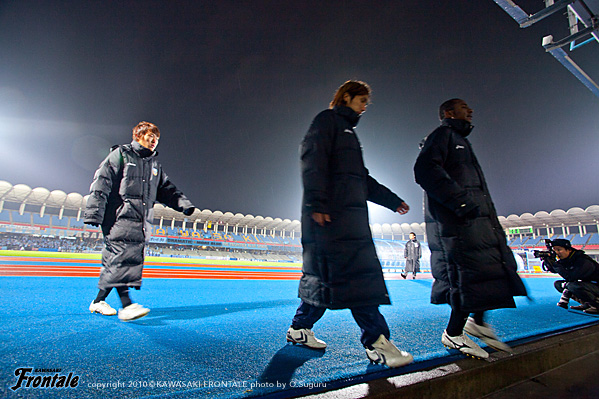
464,345
563,304
102,308
133,312
592,310
582,306
414,277
305,336
404,275
384,352
486,334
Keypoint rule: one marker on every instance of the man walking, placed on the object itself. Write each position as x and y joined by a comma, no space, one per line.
473,268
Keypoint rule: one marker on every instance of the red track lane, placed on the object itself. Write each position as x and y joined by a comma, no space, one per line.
69,271
31,259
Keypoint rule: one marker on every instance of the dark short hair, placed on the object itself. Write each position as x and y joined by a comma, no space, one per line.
351,87
143,127
448,105
411,232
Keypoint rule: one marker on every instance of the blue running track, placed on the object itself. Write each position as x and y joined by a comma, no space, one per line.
221,338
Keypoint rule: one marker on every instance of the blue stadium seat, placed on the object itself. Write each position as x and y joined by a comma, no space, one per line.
76,224
516,242
578,240
5,216
594,240
21,219
41,221
533,242
56,222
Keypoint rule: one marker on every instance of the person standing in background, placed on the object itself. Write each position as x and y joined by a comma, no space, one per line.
412,252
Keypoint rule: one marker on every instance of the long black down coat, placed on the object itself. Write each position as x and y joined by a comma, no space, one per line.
412,252
341,268
473,267
122,196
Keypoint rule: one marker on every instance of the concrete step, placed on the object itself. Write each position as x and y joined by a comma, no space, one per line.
556,366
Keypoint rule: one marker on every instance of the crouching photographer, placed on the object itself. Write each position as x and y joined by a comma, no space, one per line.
579,271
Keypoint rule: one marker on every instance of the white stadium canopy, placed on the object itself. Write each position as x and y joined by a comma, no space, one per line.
23,195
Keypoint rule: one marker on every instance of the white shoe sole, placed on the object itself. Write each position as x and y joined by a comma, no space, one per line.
103,314
491,341
483,354
377,358
294,342
137,316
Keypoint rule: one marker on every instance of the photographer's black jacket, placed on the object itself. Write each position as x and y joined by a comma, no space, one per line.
577,267
473,267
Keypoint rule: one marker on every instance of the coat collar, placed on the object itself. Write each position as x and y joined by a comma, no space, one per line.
462,127
141,150
348,113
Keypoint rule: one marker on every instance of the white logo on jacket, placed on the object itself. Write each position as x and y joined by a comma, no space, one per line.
459,147
348,131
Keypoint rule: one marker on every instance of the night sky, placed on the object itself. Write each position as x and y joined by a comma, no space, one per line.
234,85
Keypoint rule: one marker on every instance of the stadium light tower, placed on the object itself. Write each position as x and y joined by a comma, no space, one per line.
583,19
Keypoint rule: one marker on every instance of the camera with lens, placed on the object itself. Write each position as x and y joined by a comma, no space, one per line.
547,256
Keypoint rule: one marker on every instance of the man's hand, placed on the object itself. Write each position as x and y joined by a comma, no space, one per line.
321,218
403,208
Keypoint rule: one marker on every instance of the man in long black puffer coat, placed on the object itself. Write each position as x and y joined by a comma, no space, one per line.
125,187
341,269
473,268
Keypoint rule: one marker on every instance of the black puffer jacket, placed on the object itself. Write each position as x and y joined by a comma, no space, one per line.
341,268
122,196
577,267
473,267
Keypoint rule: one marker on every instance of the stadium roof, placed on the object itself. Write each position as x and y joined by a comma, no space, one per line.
40,196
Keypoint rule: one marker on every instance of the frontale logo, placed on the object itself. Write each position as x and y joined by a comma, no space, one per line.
47,378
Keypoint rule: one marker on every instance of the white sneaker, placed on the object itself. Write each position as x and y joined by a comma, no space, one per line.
305,337
464,345
133,312
383,351
486,334
102,308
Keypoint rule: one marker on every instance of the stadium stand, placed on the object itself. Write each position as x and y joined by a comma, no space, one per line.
592,243
21,219
41,221
235,236
5,216
59,222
